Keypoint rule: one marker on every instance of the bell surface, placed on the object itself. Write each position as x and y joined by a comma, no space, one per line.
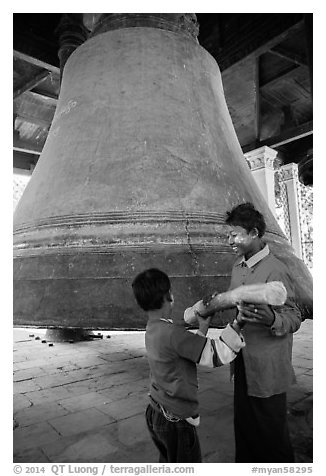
139,168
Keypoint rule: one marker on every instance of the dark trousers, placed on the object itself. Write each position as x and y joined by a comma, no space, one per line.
260,424
177,442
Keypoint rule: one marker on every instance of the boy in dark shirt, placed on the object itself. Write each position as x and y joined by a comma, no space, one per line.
173,352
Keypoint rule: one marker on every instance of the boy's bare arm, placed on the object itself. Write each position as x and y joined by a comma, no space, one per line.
203,323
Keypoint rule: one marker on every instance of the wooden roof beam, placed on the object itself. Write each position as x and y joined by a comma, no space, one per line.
285,53
28,148
23,161
38,121
36,62
32,83
43,97
289,135
287,74
261,39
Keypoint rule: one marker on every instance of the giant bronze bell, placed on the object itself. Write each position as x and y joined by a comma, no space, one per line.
139,167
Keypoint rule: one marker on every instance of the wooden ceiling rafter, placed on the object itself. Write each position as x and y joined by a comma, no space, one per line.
36,61
286,74
289,55
253,45
32,83
287,136
38,121
49,98
23,146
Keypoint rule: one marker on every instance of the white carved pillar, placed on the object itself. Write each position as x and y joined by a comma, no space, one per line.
261,163
289,177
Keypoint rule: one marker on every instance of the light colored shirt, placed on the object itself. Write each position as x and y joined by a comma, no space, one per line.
268,352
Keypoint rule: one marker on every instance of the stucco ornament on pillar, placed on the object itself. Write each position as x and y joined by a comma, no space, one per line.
261,162
290,179
264,157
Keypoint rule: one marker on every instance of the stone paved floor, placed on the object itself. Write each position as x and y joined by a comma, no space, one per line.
84,402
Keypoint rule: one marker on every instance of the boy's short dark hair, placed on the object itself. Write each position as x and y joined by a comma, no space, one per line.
150,287
248,217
